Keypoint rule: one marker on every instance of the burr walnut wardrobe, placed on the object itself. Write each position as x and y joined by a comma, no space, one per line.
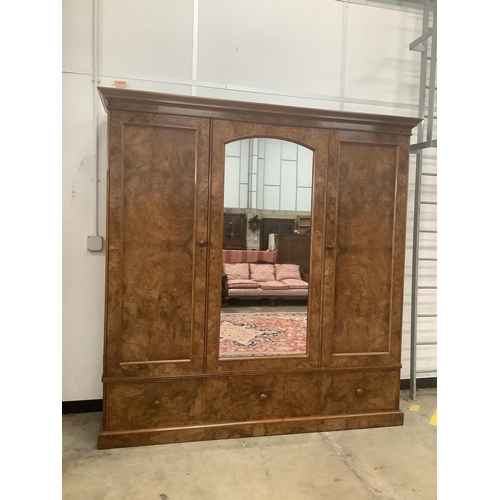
164,378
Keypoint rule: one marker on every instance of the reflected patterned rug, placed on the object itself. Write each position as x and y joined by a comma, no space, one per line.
262,334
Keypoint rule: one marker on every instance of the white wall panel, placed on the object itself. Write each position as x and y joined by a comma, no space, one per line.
77,19
150,38
147,85
427,247
411,111
269,98
379,64
427,273
281,44
82,272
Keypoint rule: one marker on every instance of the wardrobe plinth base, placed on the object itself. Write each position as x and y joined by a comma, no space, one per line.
146,437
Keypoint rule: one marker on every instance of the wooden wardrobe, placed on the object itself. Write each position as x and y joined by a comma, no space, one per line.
164,381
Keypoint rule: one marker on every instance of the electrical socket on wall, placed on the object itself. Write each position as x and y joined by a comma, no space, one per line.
94,243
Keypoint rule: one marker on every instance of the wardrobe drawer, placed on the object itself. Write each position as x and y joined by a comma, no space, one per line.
247,398
357,392
146,405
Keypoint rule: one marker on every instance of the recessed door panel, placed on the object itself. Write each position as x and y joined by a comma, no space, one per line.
366,213
163,209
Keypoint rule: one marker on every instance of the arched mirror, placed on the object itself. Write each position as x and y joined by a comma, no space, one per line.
266,248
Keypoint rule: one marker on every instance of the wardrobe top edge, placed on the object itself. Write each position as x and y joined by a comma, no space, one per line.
127,99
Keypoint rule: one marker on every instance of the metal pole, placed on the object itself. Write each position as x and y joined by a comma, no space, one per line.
95,82
432,75
414,282
416,213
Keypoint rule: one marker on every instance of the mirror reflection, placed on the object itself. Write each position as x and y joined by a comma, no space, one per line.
266,248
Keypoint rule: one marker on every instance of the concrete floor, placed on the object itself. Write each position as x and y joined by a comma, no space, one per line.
396,463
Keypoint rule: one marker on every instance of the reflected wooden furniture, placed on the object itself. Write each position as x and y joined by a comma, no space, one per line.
294,249
276,226
303,224
163,379
235,231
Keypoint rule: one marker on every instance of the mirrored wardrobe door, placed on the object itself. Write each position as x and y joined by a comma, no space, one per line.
266,215
265,266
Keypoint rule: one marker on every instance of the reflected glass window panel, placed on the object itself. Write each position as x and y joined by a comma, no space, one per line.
265,290
303,199
288,150
243,201
304,167
288,185
234,148
271,198
272,162
232,182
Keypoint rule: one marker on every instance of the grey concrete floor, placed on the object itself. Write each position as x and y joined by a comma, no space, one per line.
394,463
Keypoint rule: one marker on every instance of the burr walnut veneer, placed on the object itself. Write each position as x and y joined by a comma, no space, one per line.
164,381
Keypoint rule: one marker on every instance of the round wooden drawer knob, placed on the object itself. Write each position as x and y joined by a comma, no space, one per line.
156,404
263,397
359,392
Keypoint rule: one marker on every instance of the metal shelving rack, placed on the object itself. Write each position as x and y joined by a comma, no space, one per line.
428,89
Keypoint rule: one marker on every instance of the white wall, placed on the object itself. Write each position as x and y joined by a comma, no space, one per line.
320,53
82,272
